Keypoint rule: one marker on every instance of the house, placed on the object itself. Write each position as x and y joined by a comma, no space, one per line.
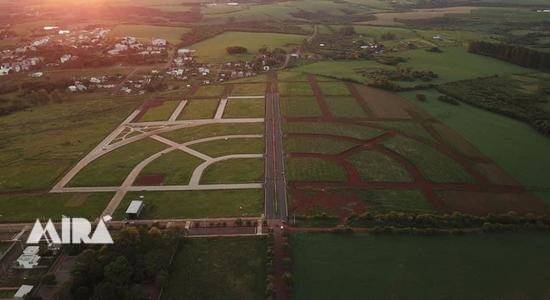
30,258
63,32
95,80
184,51
23,291
4,70
37,75
159,42
134,210
65,58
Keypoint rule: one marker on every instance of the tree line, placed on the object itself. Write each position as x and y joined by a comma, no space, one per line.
515,54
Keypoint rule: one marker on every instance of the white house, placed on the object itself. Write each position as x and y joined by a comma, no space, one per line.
23,291
65,58
30,258
63,32
184,51
159,42
4,70
37,75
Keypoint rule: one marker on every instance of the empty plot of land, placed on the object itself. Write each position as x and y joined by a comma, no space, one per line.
199,109
417,14
385,104
245,108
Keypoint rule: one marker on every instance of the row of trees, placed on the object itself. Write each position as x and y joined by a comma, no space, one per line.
518,55
455,220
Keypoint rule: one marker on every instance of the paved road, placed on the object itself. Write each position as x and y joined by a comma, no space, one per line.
275,185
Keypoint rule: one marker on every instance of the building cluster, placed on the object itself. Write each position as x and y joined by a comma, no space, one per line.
185,67
32,56
131,44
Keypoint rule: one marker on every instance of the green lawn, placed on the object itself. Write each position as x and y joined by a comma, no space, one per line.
219,148
176,166
385,201
375,166
295,89
160,113
199,109
300,107
313,169
214,91
315,145
248,89
432,164
345,106
245,108
196,204
455,63
330,266
148,32
242,170
211,130
219,268
514,146
355,131
213,49
334,88
29,207
40,145
112,168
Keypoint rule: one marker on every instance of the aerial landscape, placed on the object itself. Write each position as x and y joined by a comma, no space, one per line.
275,149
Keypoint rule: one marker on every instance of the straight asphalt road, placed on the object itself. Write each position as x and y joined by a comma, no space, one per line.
275,184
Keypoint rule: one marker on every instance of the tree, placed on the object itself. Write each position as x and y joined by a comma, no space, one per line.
236,50
119,271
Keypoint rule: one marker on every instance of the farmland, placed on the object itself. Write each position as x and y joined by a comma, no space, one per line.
426,267
214,49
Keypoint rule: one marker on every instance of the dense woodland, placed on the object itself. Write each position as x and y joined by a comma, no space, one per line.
139,257
518,55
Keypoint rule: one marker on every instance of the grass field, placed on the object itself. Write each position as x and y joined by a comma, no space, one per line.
199,109
211,130
390,18
453,64
248,89
315,145
39,145
219,148
148,32
214,91
245,108
345,106
334,88
328,266
350,130
295,89
196,204
213,49
112,168
313,169
374,166
514,146
30,206
432,164
160,113
242,170
219,268
176,167
300,107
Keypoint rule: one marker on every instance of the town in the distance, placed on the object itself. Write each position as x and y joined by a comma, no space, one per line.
274,149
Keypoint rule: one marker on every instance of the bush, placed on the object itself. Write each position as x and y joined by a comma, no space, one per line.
236,50
421,97
48,279
448,99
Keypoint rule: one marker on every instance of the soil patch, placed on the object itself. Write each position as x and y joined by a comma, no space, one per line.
150,180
